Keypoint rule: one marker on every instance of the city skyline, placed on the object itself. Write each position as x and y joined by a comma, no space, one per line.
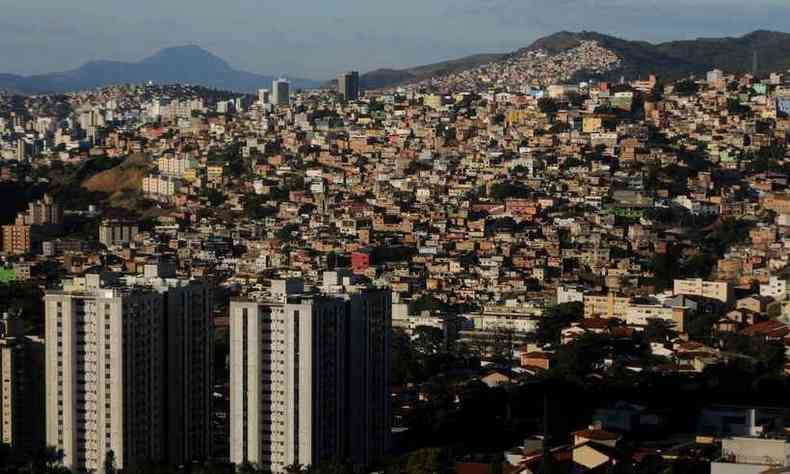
319,41
570,256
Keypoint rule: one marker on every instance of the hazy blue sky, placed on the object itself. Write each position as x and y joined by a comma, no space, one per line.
318,38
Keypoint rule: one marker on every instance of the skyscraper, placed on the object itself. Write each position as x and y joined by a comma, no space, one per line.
128,370
281,92
348,85
308,378
188,337
263,96
21,388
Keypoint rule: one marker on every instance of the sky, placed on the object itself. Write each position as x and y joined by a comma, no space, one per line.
316,39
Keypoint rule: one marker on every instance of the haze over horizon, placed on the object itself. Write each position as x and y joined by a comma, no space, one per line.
314,40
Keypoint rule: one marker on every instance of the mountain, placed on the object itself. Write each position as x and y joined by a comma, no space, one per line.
670,60
183,64
381,78
677,59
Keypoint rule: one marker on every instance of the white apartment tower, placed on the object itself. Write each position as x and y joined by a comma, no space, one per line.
104,356
128,370
309,376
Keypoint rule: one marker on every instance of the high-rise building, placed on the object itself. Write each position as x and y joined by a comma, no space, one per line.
17,238
116,232
21,388
714,76
45,211
281,92
309,375
21,149
128,367
369,316
263,96
348,85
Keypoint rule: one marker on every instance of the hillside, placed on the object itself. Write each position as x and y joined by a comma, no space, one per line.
670,60
735,54
381,78
676,59
639,58
183,64
123,182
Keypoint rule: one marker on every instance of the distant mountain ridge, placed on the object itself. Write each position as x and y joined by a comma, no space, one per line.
385,77
183,64
670,60
192,64
677,59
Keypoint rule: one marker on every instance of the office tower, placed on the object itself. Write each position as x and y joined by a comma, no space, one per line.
309,376
128,370
21,388
281,90
348,85
263,96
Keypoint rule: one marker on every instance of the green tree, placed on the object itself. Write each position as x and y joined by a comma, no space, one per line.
701,325
47,460
686,88
659,330
497,464
429,461
331,466
246,468
109,462
428,340
405,364
555,319
548,106
215,197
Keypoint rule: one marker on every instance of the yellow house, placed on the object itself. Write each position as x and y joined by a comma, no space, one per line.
592,124
214,173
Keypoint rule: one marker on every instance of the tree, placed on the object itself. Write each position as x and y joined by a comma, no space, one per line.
548,106
428,340
47,460
246,468
582,356
496,465
686,88
215,198
429,461
331,466
700,326
557,318
659,330
109,462
405,365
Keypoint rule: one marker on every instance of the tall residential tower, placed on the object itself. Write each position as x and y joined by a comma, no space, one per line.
128,370
310,375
